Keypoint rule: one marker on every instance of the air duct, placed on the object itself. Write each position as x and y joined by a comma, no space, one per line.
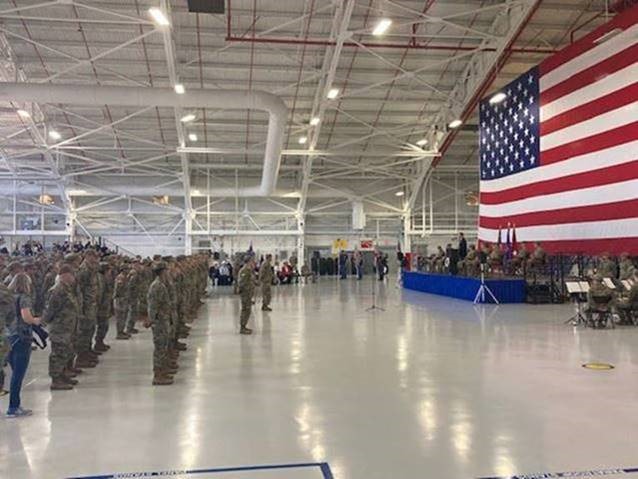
166,97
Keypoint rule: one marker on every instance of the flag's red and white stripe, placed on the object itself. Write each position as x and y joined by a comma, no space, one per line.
584,195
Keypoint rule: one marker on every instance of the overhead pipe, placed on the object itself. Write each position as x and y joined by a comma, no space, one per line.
166,97
410,46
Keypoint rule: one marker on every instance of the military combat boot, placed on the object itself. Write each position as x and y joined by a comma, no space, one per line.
161,380
123,335
70,373
245,330
69,380
180,346
132,331
59,384
100,347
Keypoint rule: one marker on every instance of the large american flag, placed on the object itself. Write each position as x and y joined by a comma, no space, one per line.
559,156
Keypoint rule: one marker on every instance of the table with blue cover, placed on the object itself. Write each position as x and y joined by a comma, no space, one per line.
462,287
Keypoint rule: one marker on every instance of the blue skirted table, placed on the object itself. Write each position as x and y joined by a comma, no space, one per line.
461,287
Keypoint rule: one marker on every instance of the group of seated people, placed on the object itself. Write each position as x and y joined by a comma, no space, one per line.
497,260
613,292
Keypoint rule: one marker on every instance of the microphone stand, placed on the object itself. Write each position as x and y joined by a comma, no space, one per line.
480,294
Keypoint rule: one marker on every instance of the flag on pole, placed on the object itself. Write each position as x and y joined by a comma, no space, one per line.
514,242
558,156
499,242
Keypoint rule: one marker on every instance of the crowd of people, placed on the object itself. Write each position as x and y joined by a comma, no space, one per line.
226,272
74,292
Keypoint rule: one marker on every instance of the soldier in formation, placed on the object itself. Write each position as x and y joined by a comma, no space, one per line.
61,316
266,276
246,292
160,318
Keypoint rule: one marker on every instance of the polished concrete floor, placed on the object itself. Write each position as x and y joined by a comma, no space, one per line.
429,388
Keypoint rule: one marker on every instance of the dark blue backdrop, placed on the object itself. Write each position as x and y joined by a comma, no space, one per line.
505,290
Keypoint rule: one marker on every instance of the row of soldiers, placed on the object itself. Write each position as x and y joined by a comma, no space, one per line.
77,295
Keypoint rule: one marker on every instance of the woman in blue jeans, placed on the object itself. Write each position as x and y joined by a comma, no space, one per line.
20,339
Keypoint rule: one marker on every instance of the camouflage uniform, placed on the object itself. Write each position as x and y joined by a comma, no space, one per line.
120,302
607,268
236,270
146,278
159,315
265,278
598,289
88,284
134,288
627,268
7,312
49,282
105,302
61,314
246,291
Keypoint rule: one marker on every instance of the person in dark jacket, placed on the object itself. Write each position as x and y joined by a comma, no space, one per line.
462,246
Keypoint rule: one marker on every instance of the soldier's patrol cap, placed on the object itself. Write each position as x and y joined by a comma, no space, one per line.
181,257
157,257
71,257
14,266
65,268
159,266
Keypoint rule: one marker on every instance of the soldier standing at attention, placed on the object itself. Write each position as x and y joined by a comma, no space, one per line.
61,315
88,283
7,313
134,279
265,278
74,260
120,302
104,309
159,318
246,291
236,268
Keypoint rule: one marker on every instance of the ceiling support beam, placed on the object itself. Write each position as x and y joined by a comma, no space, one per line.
471,85
339,33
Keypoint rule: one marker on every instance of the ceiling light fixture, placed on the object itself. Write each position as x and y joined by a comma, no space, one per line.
23,114
192,137
54,135
498,98
422,142
333,93
315,121
179,89
303,140
382,26
187,118
158,16
399,193
455,123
